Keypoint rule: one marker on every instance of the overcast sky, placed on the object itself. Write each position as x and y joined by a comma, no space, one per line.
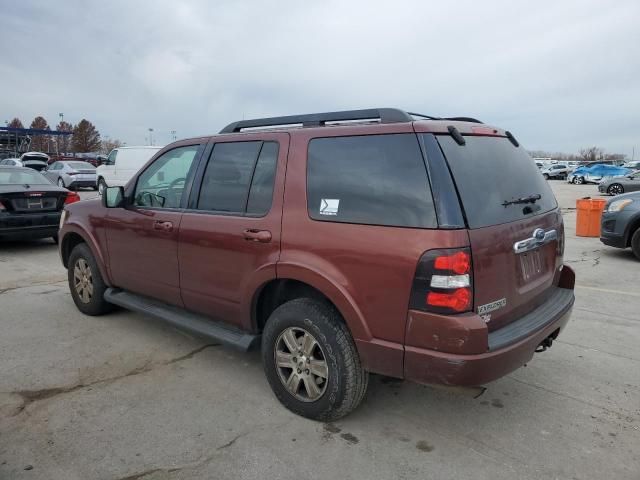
561,75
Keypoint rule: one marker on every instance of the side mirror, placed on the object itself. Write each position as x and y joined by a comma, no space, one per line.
113,197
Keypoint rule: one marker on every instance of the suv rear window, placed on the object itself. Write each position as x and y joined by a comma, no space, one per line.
489,171
372,179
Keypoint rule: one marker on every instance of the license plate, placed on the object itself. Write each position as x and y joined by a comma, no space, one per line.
34,203
531,264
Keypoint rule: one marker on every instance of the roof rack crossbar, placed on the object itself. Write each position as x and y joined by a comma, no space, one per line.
385,115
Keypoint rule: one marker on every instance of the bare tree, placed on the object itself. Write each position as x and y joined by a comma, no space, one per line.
16,123
85,137
40,143
591,154
109,144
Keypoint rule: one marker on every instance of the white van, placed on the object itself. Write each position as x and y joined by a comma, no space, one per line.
122,164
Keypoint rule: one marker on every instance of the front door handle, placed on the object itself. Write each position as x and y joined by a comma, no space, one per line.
254,235
162,225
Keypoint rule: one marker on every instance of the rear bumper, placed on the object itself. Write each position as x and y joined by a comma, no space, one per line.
82,183
508,348
29,225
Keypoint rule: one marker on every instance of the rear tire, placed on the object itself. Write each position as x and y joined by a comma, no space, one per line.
635,243
285,353
615,189
61,183
85,282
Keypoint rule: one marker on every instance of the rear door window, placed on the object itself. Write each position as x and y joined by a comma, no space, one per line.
226,181
372,179
491,171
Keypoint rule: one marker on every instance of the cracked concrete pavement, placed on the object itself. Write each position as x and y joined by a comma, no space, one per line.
123,397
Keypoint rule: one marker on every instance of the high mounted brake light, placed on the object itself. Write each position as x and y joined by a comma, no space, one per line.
443,282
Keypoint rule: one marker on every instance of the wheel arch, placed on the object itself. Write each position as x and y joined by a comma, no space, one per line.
297,282
73,236
632,226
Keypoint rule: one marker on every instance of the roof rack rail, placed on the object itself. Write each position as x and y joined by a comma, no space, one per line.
385,115
463,119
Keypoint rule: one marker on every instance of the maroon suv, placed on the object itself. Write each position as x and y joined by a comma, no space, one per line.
351,242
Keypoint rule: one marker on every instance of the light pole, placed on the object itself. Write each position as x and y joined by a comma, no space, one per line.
61,115
173,135
151,136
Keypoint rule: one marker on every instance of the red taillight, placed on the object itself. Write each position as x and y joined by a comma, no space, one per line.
458,263
458,301
443,282
2,208
72,197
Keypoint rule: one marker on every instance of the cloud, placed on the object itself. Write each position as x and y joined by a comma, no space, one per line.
561,75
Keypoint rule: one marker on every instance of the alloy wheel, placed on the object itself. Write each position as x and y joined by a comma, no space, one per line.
83,280
616,189
301,364
60,182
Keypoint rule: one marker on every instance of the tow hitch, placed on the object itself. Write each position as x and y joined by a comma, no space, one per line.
546,343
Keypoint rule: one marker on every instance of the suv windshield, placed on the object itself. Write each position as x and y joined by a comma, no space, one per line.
497,182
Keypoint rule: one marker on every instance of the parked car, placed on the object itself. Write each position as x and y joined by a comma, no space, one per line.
540,165
557,170
595,173
30,205
122,164
620,224
619,185
11,162
358,260
72,174
632,165
36,160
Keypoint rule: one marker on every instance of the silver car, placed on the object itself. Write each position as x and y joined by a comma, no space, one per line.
557,170
72,174
619,185
11,162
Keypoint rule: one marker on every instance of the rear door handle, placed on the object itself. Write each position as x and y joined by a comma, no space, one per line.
254,235
162,225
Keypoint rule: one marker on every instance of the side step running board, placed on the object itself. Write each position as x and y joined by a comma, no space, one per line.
183,320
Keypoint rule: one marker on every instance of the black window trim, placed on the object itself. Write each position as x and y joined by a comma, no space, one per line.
192,205
350,135
130,196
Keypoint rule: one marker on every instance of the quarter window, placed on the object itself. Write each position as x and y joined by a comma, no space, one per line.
373,179
162,184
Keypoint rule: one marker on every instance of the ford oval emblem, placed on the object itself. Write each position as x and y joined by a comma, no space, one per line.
538,234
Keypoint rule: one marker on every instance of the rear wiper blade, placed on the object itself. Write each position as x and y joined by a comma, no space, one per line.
530,199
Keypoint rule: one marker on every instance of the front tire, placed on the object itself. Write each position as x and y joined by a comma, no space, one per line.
311,361
101,186
85,282
61,183
635,243
546,176
578,180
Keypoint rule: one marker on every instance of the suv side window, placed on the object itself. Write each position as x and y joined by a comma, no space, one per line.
239,178
162,184
372,179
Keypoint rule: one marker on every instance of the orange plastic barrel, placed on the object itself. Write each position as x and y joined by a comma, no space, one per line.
589,215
